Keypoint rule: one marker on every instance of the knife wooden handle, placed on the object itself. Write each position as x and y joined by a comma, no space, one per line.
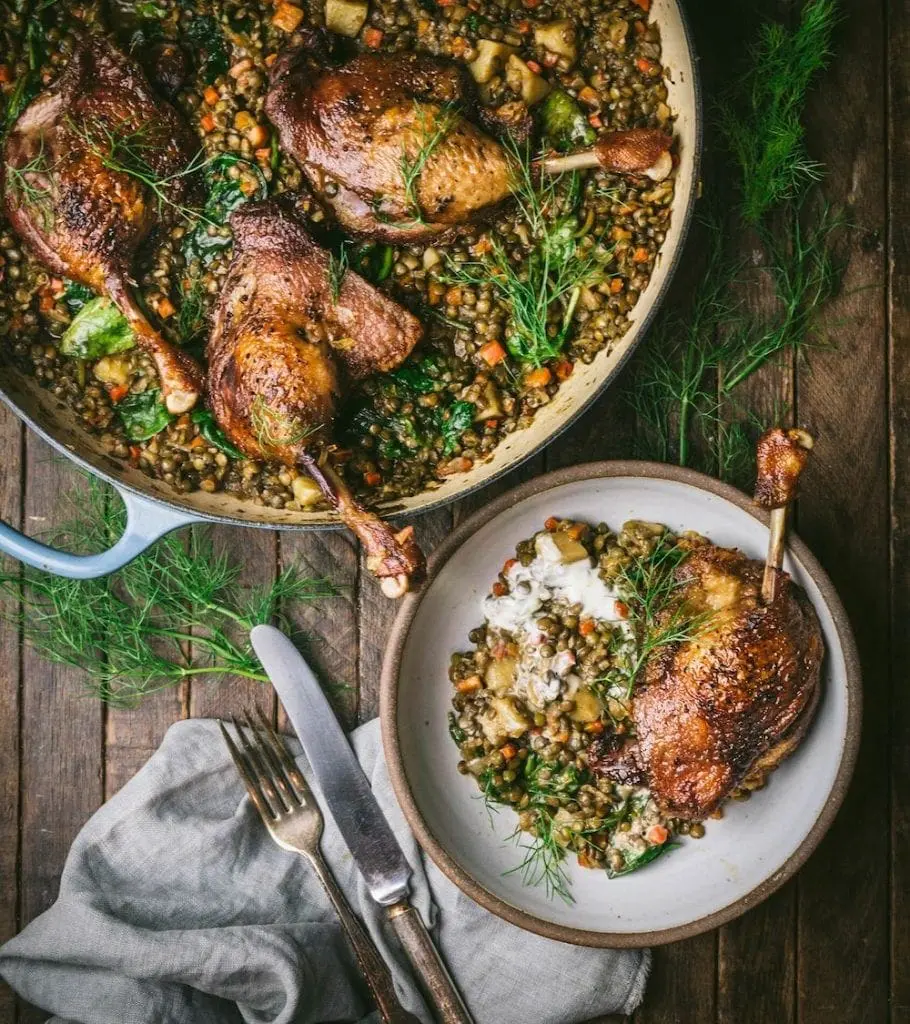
373,967
428,965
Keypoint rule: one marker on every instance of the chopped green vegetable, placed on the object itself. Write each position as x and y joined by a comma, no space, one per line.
634,863
375,262
559,243
98,329
455,731
565,126
453,422
149,9
144,415
76,295
419,377
215,436
204,33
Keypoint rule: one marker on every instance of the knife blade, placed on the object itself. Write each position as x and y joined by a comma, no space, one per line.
346,792
336,770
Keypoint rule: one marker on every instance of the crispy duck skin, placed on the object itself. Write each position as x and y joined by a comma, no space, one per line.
353,127
281,351
83,219
726,706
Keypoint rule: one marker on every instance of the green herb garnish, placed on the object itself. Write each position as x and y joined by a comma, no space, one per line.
565,126
337,268
76,295
453,422
204,33
98,329
128,632
433,130
215,436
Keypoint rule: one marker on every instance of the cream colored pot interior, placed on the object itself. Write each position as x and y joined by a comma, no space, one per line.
60,425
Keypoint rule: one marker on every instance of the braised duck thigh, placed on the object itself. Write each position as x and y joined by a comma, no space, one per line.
73,194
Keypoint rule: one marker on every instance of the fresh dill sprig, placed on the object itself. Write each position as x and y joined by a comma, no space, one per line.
191,318
432,131
336,269
125,150
761,119
128,632
274,429
541,290
544,858
38,197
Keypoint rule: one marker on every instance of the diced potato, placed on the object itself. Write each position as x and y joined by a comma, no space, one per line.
500,675
558,546
306,491
489,406
558,37
503,720
490,60
346,17
114,370
521,79
587,706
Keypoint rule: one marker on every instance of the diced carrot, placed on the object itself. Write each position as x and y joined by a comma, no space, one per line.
165,308
639,27
622,609
46,302
589,97
135,452
616,285
460,46
595,121
550,523
585,861
373,38
459,465
508,751
491,423
531,4
499,589
258,135
561,737
550,59
270,59
469,685
645,5
423,26
453,297
197,442
117,393
640,255
492,353
563,369
372,478
534,66
577,530
207,122
586,627
646,67
523,26
594,728
657,835
446,3
184,420
539,378
5,74
211,95
287,17
508,564
263,155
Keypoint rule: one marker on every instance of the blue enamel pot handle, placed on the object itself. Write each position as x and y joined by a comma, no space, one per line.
146,521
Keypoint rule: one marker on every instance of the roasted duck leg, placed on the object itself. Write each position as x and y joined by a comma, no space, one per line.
386,141
639,151
724,708
283,345
76,169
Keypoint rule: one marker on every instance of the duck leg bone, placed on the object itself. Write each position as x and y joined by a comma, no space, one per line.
781,456
640,151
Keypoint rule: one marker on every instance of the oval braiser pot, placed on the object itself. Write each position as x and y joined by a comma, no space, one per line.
154,509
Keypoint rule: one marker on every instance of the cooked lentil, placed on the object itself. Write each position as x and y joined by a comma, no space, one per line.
448,407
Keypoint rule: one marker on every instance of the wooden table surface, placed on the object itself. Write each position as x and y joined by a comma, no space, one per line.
834,944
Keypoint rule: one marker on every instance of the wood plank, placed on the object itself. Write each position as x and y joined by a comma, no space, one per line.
842,395
376,613
62,730
330,626
898,42
10,512
256,553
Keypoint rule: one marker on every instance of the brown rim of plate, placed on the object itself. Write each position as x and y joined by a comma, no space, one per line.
388,710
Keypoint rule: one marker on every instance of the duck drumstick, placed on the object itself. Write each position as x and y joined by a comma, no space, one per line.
781,456
640,151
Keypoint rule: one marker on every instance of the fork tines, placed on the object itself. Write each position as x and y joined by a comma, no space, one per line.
273,781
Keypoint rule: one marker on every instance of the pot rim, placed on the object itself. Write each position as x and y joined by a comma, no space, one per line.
388,710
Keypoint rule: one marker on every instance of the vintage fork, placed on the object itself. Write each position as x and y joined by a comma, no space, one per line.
286,804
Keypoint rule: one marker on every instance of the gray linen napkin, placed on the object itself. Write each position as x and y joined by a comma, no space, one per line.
175,907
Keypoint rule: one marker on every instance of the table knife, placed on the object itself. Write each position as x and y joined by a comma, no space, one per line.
348,796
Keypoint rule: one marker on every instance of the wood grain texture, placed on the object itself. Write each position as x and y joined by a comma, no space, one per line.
10,512
62,728
898,296
844,517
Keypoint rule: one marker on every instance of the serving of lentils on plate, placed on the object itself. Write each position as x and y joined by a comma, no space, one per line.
508,304
547,688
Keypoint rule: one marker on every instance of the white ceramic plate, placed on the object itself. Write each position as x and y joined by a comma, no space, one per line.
742,858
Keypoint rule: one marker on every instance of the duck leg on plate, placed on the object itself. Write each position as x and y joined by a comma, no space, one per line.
286,339
640,151
386,140
85,167
724,707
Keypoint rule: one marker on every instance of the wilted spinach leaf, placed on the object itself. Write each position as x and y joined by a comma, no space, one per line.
98,329
144,415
